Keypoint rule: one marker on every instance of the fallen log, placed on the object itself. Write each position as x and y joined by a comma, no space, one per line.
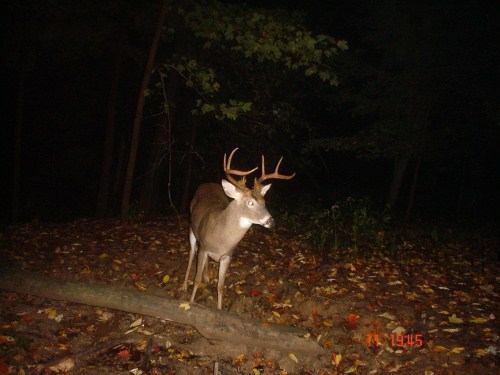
212,324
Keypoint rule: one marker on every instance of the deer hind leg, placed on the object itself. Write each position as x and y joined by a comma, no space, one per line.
192,253
206,276
202,261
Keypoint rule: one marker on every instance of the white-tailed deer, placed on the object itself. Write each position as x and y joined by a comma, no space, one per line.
218,224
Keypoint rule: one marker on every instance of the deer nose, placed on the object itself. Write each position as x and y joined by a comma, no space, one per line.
269,223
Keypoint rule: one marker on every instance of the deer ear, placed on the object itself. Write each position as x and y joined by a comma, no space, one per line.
264,189
231,190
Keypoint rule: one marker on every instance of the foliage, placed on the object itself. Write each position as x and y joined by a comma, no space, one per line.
268,36
257,46
351,223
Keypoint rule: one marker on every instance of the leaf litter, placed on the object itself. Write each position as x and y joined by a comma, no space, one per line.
369,313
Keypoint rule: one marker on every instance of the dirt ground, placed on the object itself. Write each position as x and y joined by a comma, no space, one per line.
430,310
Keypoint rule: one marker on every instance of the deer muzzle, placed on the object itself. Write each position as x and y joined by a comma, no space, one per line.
269,223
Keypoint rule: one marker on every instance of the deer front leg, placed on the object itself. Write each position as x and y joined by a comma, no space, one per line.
202,260
192,253
223,266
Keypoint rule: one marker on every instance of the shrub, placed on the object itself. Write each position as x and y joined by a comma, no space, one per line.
350,224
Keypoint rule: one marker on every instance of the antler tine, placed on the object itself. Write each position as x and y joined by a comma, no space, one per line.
275,174
229,171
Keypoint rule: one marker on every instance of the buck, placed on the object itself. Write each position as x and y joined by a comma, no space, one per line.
218,223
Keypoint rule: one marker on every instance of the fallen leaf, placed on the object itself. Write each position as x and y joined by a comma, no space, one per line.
453,319
480,352
86,271
336,358
104,315
166,278
451,330
479,320
63,366
293,357
397,282
141,345
281,305
185,306
136,323
352,319
125,354
492,350
4,339
397,367
144,332
399,330
388,316
440,349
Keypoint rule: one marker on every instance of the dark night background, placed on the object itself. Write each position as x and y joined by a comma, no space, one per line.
418,89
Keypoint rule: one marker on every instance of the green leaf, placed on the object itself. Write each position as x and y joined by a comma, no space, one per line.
324,76
342,44
207,108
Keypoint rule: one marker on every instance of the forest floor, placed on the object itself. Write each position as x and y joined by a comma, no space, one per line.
433,309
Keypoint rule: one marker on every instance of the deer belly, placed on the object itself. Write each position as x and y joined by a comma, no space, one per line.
217,256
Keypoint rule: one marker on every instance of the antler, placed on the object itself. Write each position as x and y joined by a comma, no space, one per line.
275,175
229,171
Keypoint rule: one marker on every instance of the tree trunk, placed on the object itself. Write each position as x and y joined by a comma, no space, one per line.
134,143
212,324
18,143
119,172
186,192
411,199
400,166
109,140
459,208
150,187
162,144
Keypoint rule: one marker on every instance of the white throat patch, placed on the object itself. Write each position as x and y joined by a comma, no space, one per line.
245,223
